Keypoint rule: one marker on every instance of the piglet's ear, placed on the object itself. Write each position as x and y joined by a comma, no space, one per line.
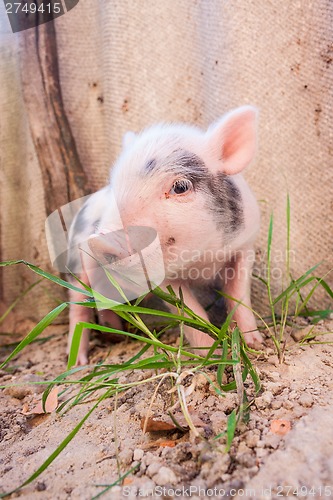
128,139
232,141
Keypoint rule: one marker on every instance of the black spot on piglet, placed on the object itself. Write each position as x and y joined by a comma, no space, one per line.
150,165
226,203
171,241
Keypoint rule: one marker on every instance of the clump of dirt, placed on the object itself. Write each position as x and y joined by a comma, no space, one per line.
286,445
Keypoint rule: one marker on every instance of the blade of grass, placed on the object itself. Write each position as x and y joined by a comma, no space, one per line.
37,330
262,280
231,386
250,309
203,325
151,341
320,281
181,330
118,481
251,369
46,275
221,368
269,263
322,314
285,302
223,332
231,429
300,282
237,368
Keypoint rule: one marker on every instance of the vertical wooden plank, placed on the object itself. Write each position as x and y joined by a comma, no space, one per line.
63,176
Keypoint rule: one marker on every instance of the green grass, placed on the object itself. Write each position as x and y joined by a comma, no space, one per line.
169,362
293,300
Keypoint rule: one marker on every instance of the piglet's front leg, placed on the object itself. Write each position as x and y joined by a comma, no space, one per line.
79,313
237,285
195,337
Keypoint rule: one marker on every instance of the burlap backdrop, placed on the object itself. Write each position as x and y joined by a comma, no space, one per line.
125,64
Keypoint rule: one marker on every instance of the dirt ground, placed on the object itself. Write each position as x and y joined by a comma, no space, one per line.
267,459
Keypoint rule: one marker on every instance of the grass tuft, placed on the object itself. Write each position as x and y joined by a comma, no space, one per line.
293,300
170,362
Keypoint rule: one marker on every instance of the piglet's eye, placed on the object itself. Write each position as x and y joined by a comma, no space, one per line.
181,186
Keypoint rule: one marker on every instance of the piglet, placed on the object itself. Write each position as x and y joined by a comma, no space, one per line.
182,190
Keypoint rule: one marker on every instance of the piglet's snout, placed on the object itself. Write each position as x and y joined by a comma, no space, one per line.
110,247
131,258
115,246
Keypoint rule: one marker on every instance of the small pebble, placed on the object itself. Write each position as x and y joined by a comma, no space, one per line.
149,458
17,391
261,452
253,470
126,456
247,460
306,400
225,477
299,335
276,405
273,360
41,486
210,401
264,401
165,476
138,454
288,405
218,420
252,439
272,441
242,448
153,469
267,396
274,388
201,381
293,395
275,376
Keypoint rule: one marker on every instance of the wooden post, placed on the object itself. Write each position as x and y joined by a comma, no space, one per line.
63,176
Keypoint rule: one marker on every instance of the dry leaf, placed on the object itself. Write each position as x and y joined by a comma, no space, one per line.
127,481
280,427
51,404
25,409
156,425
159,443
167,444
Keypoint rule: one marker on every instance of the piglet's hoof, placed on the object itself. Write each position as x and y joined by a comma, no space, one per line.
253,338
82,359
